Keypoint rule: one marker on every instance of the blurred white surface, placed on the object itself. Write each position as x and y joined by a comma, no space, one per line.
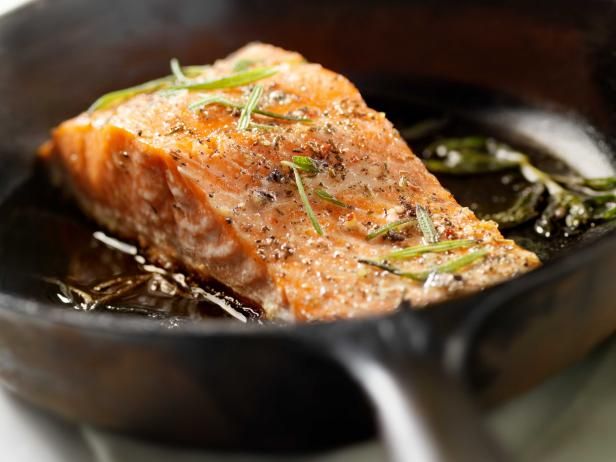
8,5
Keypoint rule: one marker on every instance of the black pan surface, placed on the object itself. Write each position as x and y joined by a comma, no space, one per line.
298,388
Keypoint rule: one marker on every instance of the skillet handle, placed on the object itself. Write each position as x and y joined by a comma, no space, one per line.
423,415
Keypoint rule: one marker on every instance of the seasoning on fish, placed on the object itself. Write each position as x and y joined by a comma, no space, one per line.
272,176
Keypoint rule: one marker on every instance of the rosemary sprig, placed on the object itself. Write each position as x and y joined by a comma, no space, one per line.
194,71
219,99
302,195
393,270
176,70
572,201
331,199
594,184
426,226
606,214
467,162
457,264
239,79
387,228
442,146
423,129
465,156
421,276
119,96
564,205
166,83
438,247
600,184
523,209
305,163
244,120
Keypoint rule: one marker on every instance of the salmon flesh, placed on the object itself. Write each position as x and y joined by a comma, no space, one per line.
199,191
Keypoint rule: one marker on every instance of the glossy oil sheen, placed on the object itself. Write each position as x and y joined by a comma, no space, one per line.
51,246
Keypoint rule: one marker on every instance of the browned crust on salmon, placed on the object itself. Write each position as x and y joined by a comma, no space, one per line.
199,193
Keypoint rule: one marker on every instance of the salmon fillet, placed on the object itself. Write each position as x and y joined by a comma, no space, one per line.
199,193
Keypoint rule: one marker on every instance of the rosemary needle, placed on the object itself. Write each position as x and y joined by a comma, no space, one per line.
415,251
331,199
176,70
219,99
253,100
385,229
302,194
119,96
421,276
239,79
306,203
462,262
306,164
426,225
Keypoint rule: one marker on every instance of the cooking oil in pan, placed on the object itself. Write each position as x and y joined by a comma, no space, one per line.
50,251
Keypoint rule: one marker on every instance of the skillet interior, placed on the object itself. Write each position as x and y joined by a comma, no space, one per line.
59,55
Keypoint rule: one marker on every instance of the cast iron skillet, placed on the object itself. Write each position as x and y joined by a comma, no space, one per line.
300,388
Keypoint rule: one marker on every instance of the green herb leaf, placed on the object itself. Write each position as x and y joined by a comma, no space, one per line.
119,96
441,147
524,209
603,206
426,225
596,184
306,203
393,270
469,155
468,162
176,70
607,214
219,99
600,184
194,71
214,99
306,164
302,194
423,129
438,247
573,201
421,276
578,214
565,207
387,228
116,97
602,199
253,100
461,262
238,79
329,198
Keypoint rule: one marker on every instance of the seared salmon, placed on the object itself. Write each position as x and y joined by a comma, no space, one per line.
285,187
